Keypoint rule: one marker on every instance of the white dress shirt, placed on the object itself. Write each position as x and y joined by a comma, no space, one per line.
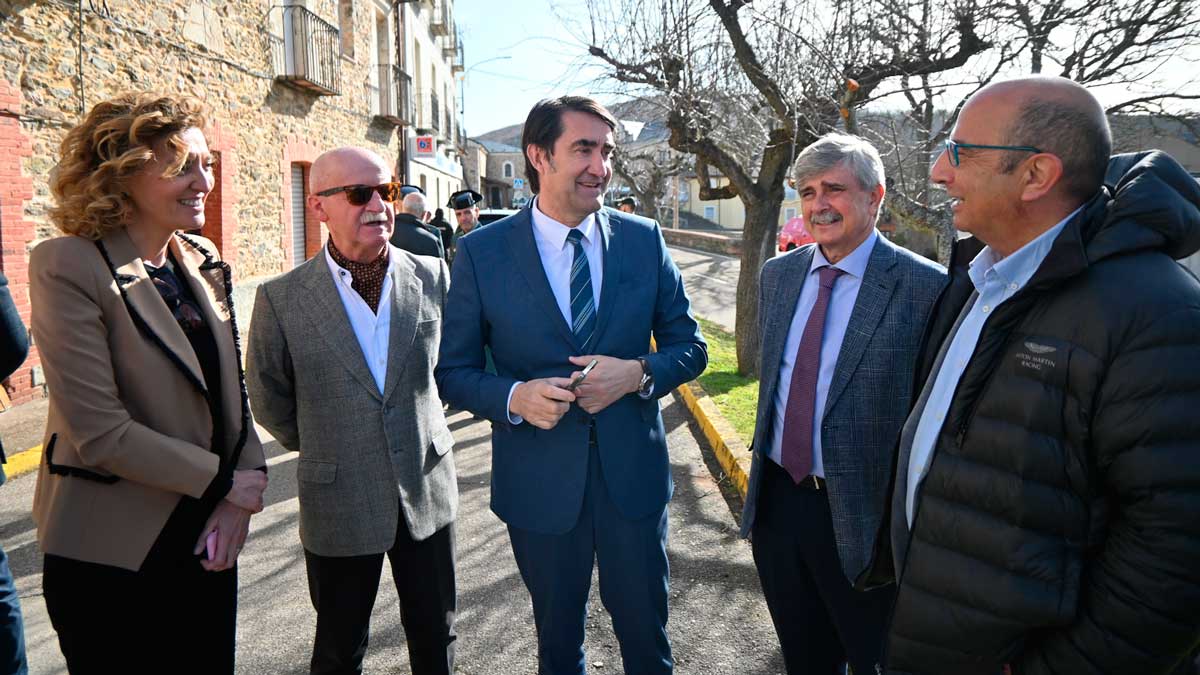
837,317
373,329
558,255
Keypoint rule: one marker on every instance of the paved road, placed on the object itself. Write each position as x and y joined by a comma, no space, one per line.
718,624
711,283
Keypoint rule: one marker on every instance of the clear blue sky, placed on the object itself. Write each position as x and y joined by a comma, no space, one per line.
543,60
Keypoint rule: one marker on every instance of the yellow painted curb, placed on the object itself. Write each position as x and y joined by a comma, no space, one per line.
732,453
23,462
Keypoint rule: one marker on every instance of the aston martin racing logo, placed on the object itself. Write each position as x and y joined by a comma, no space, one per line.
1040,349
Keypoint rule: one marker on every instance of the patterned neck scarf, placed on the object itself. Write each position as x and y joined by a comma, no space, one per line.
366,278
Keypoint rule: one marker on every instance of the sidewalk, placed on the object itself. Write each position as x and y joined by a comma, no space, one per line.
719,622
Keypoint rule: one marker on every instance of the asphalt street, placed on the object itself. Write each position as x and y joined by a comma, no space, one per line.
718,624
711,283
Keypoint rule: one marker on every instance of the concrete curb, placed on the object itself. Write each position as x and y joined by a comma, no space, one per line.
732,454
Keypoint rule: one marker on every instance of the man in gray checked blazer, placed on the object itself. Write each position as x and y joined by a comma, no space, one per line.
340,369
841,324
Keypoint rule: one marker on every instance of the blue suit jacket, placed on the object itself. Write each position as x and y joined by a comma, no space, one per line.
872,383
500,297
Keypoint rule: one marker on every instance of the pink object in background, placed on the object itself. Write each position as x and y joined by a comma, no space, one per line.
793,235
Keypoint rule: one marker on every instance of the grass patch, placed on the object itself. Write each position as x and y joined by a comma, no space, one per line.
736,396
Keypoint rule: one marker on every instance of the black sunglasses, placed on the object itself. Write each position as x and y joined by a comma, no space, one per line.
358,195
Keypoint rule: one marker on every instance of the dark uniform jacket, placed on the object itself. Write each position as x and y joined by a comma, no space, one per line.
1058,526
416,237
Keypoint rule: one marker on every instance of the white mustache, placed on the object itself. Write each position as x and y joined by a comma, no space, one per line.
826,217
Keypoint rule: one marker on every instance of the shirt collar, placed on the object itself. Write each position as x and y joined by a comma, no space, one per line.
1018,268
334,265
555,233
854,264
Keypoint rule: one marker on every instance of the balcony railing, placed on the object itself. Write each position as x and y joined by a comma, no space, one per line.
429,113
408,102
306,57
456,61
385,96
450,43
439,19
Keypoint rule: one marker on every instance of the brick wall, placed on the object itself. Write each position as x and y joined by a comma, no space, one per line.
16,230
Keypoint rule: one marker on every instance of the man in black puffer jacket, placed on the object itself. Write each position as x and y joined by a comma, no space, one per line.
1046,508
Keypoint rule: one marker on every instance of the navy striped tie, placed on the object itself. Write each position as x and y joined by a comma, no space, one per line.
583,300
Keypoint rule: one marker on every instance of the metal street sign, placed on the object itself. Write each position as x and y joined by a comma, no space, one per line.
518,183
425,147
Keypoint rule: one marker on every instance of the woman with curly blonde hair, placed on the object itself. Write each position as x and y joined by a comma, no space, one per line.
151,467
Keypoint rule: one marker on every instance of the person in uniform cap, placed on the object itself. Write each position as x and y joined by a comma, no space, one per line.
466,211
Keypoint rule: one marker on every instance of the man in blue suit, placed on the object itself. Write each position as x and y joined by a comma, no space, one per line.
579,473
841,323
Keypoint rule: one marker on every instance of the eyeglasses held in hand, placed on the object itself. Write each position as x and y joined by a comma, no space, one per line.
358,195
952,148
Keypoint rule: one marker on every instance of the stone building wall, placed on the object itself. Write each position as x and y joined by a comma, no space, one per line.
217,50
495,177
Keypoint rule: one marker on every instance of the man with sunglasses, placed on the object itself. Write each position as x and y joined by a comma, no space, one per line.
340,369
1043,516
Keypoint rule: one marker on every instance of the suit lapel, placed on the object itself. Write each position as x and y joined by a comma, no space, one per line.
779,306
874,294
407,297
611,273
208,285
528,263
145,304
326,310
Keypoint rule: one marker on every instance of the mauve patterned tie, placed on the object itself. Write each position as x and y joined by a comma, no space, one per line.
797,447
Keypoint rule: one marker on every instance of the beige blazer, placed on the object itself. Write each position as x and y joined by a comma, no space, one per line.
129,427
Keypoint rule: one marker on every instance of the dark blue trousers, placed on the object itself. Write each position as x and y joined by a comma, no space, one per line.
632,557
12,629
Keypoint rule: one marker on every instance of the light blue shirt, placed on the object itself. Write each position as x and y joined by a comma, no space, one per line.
837,317
995,282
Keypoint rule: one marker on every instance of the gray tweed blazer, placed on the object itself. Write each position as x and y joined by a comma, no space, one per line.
363,454
869,395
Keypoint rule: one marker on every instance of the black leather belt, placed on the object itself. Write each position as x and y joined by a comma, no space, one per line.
780,476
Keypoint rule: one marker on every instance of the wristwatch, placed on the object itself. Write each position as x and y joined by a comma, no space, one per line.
647,378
